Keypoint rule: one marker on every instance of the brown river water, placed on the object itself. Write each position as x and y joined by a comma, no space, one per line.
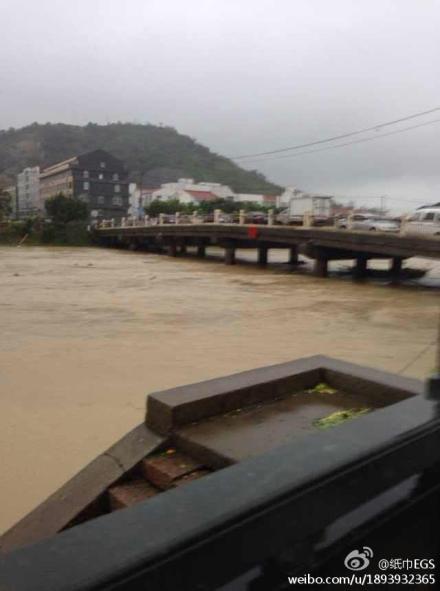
87,333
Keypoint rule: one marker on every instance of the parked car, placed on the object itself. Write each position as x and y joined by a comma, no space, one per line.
256,217
169,218
371,223
226,218
424,221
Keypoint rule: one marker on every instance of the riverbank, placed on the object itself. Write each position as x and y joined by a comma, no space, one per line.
38,233
87,333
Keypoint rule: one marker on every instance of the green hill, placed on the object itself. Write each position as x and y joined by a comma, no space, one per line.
158,154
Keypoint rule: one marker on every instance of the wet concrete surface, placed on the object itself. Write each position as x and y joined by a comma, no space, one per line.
87,333
251,431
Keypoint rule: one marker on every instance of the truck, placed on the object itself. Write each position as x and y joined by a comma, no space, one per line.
318,206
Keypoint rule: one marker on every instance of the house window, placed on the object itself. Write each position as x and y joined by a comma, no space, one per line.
86,174
117,188
100,176
101,200
86,185
117,200
116,176
102,164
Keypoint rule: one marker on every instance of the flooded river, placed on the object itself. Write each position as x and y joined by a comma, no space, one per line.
86,334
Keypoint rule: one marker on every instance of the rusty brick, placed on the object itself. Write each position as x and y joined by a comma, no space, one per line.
163,470
130,493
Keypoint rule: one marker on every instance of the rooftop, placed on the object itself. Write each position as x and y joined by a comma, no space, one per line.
201,195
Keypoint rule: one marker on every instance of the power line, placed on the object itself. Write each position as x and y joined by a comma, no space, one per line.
369,139
338,137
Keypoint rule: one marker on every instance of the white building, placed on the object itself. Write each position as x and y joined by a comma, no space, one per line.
195,197
28,200
138,199
169,191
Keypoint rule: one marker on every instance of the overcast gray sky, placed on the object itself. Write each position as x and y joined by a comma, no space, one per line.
241,76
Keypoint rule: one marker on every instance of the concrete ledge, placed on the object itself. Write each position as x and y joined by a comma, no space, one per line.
83,496
79,498
174,408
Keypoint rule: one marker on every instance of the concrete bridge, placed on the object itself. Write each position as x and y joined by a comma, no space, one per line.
322,244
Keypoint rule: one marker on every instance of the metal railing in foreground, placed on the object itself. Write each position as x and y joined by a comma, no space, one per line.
207,533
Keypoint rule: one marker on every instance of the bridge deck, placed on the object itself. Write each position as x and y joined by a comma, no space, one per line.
333,242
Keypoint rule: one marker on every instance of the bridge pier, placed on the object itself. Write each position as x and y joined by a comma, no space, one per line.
396,269
201,251
229,255
182,249
360,270
293,255
172,249
262,255
320,267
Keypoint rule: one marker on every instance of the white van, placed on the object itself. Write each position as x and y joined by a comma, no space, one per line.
424,221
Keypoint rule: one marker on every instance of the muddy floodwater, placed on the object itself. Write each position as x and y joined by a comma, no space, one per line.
86,334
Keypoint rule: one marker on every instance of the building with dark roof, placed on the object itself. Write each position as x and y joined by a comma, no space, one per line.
98,178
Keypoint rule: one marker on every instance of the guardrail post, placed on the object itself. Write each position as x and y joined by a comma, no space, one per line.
112,223
217,213
161,218
270,217
194,218
177,217
241,217
123,222
146,217
350,221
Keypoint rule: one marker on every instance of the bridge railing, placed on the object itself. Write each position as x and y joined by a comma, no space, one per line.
217,217
221,217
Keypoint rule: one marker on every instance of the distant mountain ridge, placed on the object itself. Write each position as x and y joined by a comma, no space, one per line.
157,154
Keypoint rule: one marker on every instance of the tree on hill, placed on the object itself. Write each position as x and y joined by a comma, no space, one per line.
5,204
63,210
155,154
